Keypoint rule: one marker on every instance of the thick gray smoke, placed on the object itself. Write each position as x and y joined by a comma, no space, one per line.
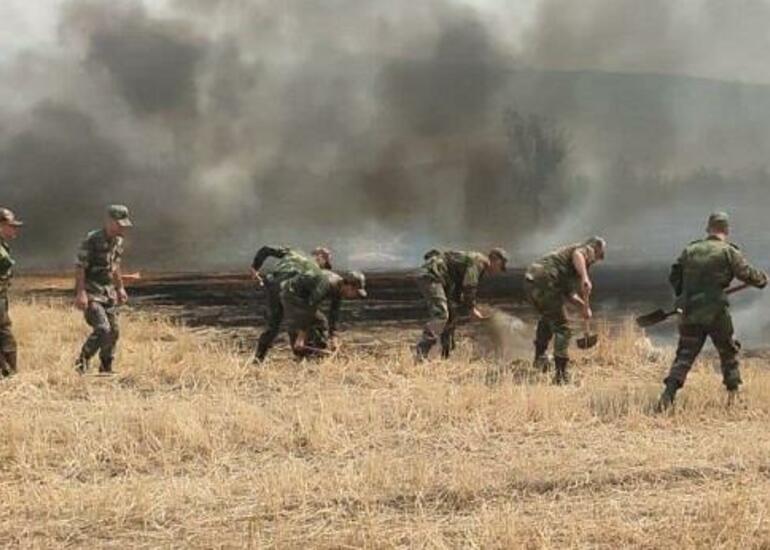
380,127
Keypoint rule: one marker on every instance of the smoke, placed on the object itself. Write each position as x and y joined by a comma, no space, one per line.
374,126
703,38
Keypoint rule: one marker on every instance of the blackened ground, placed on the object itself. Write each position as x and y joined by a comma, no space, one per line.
231,300
232,305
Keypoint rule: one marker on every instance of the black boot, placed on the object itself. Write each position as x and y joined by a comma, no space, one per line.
81,365
423,347
262,350
666,400
560,377
10,363
447,343
541,359
106,366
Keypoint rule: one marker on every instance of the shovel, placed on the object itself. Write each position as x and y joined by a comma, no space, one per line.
588,340
658,316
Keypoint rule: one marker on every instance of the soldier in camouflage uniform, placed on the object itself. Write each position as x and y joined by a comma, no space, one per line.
301,297
561,276
290,263
9,230
699,277
99,287
448,280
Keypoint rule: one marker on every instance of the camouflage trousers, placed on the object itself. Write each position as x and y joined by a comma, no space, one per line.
300,317
691,340
7,340
273,318
441,317
103,319
553,324
274,315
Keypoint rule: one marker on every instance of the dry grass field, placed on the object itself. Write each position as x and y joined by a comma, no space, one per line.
190,446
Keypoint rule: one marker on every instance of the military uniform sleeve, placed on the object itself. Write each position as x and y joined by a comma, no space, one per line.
84,253
6,262
675,276
118,257
267,252
471,282
320,287
744,271
334,312
588,253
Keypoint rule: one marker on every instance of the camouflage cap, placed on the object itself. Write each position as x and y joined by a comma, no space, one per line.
718,219
120,214
599,244
9,218
357,279
501,254
322,251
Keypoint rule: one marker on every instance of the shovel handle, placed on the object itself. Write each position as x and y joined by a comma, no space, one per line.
737,288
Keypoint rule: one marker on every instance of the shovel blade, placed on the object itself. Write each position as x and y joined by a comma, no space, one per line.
652,318
588,341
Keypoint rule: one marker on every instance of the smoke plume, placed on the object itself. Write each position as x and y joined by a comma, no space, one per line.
379,128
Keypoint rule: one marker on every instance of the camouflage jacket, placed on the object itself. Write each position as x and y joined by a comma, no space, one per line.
290,263
458,272
557,269
6,268
702,273
100,257
310,288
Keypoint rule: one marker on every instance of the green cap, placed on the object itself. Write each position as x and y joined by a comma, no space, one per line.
9,218
357,279
501,254
718,219
599,244
120,214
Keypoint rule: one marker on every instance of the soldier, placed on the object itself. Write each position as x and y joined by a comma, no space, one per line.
301,297
290,263
447,280
9,230
99,287
549,283
699,277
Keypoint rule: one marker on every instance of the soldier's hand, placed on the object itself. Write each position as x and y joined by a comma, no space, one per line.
81,301
586,286
334,343
477,314
257,276
588,314
122,296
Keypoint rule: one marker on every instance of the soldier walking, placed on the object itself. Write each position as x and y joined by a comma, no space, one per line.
99,287
552,281
448,280
302,296
9,230
290,263
700,276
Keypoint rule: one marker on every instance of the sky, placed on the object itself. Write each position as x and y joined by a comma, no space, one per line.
354,114
703,38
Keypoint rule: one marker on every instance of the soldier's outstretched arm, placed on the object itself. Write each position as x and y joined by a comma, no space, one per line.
675,276
267,252
81,263
334,313
580,262
744,271
471,285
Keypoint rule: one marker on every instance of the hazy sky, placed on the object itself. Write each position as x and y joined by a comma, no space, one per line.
709,38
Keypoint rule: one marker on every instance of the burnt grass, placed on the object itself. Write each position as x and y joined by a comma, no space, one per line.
233,301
